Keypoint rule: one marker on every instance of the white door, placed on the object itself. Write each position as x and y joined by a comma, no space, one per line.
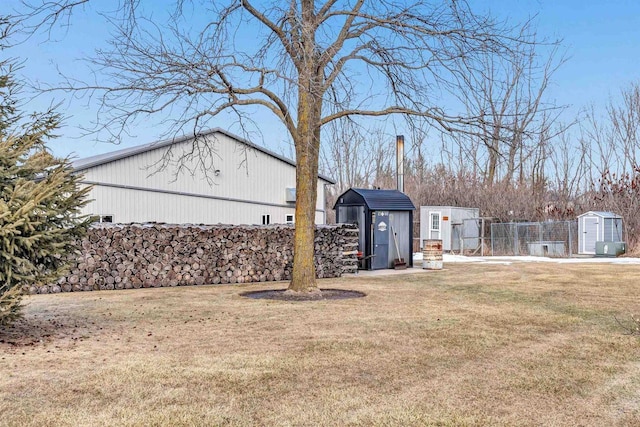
435,231
590,233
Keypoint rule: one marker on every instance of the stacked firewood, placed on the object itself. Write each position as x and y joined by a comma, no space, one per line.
131,256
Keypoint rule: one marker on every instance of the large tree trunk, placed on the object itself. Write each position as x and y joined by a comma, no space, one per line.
307,143
303,278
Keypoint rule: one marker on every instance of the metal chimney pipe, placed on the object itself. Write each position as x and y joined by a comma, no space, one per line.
400,162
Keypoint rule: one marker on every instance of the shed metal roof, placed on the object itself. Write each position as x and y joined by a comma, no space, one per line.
375,199
602,214
101,159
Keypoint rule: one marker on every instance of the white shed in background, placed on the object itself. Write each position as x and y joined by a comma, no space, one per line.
458,228
596,226
245,183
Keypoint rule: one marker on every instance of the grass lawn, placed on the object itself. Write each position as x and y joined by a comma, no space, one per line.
473,345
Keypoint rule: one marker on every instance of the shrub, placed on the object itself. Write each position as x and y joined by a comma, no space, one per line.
40,201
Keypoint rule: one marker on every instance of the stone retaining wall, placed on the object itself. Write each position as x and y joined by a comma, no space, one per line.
130,256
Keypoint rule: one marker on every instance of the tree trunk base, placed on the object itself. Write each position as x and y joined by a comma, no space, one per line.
309,293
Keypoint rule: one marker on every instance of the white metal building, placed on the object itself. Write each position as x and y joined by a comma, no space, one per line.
245,183
596,226
450,224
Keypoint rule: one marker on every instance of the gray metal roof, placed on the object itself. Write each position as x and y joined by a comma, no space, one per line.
375,199
603,214
101,159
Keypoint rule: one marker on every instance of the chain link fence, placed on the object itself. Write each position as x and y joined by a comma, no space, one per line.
475,236
552,238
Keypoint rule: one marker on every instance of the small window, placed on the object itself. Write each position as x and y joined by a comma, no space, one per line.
103,218
289,219
266,219
435,221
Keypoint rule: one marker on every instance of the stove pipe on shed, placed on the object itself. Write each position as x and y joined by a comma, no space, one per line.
400,162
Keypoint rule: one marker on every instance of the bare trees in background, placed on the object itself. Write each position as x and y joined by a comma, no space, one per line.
356,157
567,170
621,194
308,63
499,163
614,138
614,159
484,132
511,94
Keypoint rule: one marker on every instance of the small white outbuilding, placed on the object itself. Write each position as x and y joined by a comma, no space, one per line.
457,227
597,226
224,179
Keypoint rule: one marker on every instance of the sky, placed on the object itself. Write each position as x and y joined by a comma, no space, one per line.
600,39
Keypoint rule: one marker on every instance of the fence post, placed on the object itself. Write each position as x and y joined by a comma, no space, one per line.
482,240
492,239
540,232
569,225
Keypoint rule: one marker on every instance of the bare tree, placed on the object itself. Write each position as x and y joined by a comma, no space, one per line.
612,146
355,157
349,154
309,63
569,166
612,139
603,154
510,93
624,119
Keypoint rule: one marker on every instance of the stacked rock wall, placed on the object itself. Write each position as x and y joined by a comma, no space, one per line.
156,255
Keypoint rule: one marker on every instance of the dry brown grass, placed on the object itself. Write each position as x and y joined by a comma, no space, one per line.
473,345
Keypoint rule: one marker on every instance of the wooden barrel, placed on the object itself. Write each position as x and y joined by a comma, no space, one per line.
432,254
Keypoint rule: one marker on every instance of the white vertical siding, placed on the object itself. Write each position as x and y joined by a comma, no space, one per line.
127,205
254,183
454,214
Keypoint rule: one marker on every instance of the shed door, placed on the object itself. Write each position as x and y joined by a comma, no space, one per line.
590,233
435,226
380,240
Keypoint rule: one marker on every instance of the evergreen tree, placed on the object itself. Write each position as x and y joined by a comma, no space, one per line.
40,200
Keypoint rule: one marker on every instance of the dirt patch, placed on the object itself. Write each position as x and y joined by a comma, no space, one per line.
37,330
286,295
30,331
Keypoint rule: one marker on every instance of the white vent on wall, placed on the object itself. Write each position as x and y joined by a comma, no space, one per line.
291,195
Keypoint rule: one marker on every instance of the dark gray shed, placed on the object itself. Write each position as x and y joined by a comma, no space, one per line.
381,216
